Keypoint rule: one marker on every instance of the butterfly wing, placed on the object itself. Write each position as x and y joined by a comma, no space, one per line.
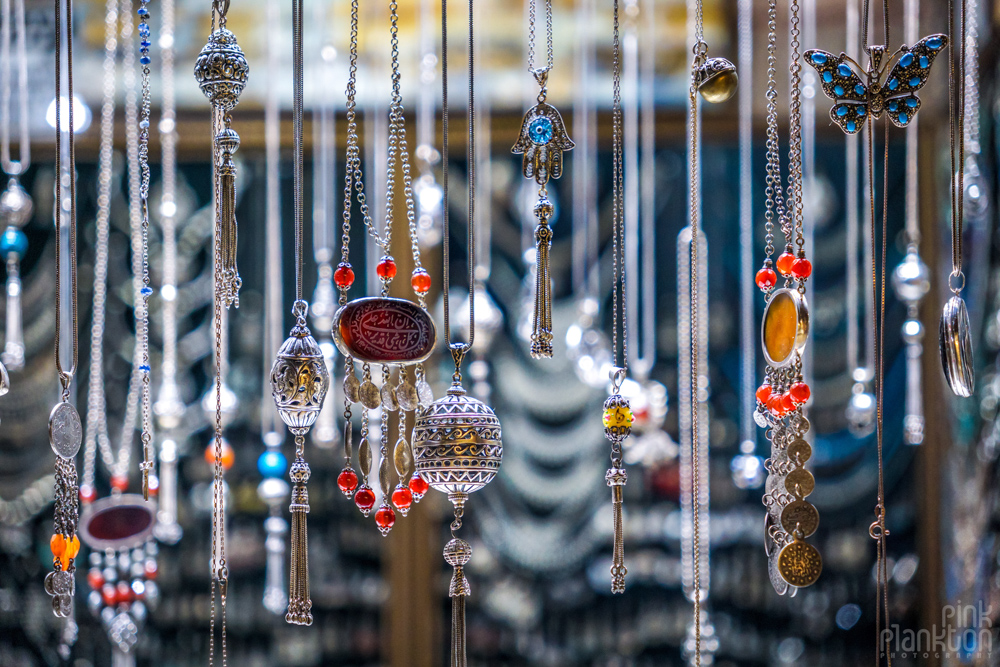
836,76
902,109
911,70
850,116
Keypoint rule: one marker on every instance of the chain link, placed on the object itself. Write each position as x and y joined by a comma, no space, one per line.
550,59
24,147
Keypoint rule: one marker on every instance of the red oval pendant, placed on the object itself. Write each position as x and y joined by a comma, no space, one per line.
384,330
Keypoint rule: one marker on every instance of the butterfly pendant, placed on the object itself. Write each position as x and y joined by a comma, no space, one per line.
856,98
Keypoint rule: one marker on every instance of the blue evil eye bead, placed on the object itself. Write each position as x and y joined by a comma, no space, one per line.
819,58
925,62
843,69
146,291
911,102
915,81
859,89
272,464
903,119
906,60
935,43
851,126
540,130
838,91
14,242
841,111
144,368
893,84
827,77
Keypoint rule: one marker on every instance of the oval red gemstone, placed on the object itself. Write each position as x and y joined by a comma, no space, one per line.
402,499
766,279
119,482
421,281
386,268
347,480
343,276
385,517
384,330
764,393
784,263
802,268
365,500
419,486
800,392
95,579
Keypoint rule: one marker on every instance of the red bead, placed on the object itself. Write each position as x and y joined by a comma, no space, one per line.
802,268
343,276
119,482
419,486
421,281
108,594
95,579
763,393
774,403
384,519
365,500
124,593
784,263
228,455
800,392
787,403
402,499
386,268
347,480
88,494
151,569
766,279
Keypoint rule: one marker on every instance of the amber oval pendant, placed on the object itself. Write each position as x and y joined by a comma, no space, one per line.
382,330
117,522
785,328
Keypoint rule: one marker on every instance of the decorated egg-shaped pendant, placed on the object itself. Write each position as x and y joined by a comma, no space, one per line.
299,380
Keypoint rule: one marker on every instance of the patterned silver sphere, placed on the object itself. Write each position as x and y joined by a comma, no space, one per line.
299,380
457,552
911,279
16,206
221,69
456,443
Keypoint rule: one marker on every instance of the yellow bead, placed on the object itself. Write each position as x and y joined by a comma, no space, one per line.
618,417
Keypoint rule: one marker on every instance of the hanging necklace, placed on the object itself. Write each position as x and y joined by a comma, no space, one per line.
221,71
65,432
16,206
457,446
542,140
954,333
299,379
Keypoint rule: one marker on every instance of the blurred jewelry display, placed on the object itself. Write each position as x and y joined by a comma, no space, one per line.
955,334
426,190
382,330
65,432
793,563
221,71
299,378
617,411
16,207
911,278
541,141
457,447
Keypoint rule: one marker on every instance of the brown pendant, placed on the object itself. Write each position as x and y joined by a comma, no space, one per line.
786,327
384,330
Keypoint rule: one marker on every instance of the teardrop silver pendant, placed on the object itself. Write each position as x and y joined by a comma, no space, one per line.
955,339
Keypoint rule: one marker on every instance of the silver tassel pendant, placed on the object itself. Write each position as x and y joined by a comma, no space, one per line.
299,600
541,334
617,427
227,142
458,553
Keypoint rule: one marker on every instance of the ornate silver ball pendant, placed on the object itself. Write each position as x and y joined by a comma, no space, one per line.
717,80
222,70
299,380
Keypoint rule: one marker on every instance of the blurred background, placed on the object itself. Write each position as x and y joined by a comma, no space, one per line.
542,532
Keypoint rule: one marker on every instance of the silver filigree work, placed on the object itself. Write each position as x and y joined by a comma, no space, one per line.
222,70
299,380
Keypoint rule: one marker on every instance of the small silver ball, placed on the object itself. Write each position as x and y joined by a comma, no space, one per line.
544,208
299,473
16,206
911,279
228,141
457,552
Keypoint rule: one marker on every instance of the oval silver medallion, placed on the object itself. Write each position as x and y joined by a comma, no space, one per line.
955,340
425,395
352,388
65,430
389,401
406,394
369,396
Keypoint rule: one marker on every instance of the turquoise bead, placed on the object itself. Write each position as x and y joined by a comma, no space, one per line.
14,242
272,464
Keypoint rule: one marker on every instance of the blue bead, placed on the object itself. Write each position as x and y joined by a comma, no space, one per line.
14,242
861,111
851,126
819,58
906,60
841,111
142,11
144,368
924,62
540,130
272,464
143,50
911,102
145,44
146,291
934,43
144,60
843,69
144,29
144,124
827,77
903,119
893,84
859,89
893,106
838,91
915,81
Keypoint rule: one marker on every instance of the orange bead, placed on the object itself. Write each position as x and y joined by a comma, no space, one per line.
58,545
800,392
119,482
763,393
72,547
766,279
787,403
228,455
420,281
785,262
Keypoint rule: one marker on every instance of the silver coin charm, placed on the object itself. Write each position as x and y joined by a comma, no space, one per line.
955,338
389,401
369,395
406,394
65,430
425,395
59,583
352,388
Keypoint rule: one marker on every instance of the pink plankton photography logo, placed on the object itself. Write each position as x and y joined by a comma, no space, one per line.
966,632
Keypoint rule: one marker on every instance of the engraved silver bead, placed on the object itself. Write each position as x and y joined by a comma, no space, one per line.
299,381
222,70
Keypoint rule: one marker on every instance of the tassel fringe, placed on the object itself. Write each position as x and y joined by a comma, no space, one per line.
541,335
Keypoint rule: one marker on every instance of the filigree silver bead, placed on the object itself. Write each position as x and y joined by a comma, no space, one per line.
457,444
222,70
16,206
299,380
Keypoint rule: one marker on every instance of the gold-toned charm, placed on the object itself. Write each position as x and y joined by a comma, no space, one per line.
800,482
786,327
542,140
800,515
799,563
799,451
717,80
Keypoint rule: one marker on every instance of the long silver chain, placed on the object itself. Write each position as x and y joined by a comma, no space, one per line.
748,430
10,167
548,35
618,315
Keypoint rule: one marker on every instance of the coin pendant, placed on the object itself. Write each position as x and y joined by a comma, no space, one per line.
406,394
779,584
800,451
800,564
352,387
800,515
800,483
59,583
65,431
369,395
389,401
62,606
425,395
